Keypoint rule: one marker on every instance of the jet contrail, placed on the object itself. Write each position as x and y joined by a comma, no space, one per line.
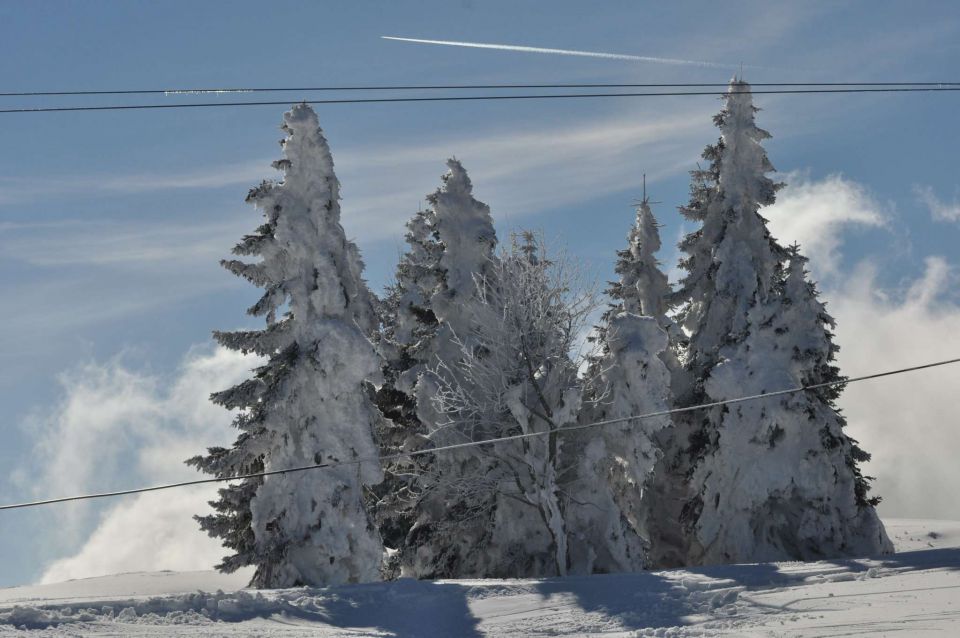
586,54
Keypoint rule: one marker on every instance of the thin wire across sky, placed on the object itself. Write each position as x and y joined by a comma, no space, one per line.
804,89
493,441
450,87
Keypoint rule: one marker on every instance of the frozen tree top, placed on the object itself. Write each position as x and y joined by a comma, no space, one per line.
465,227
744,163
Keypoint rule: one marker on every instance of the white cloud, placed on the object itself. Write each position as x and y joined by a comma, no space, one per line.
908,422
940,210
816,213
117,427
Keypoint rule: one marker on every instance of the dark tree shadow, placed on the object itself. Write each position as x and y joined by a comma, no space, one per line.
637,601
655,599
944,558
404,608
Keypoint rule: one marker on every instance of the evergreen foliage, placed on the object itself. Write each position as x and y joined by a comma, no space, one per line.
766,480
307,403
409,328
628,376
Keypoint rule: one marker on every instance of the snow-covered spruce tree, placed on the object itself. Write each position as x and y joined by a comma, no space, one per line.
307,404
409,327
759,480
800,333
464,228
642,288
460,242
626,377
501,506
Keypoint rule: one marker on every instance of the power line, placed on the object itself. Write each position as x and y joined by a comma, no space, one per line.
468,98
460,446
445,87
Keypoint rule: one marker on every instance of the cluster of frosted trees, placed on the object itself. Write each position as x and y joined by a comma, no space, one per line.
477,343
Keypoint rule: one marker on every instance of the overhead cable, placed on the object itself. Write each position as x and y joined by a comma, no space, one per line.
493,441
446,87
474,98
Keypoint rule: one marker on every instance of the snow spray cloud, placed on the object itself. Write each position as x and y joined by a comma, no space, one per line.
571,52
118,425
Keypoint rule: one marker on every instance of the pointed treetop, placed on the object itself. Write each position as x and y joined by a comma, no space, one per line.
739,101
465,228
529,246
456,180
797,285
307,156
301,116
797,265
642,287
743,161
648,231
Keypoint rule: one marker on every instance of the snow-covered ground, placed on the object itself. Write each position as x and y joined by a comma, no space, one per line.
914,593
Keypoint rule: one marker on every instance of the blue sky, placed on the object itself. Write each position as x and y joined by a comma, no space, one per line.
111,223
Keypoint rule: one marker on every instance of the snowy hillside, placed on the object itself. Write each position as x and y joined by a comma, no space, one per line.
916,591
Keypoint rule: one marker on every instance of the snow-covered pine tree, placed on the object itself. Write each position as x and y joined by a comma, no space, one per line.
626,377
406,342
307,404
461,246
810,341
762,482
464,227
801,494
501,506
642,288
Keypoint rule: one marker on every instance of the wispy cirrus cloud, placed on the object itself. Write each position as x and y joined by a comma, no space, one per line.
17,190
519,171
522,172
157,245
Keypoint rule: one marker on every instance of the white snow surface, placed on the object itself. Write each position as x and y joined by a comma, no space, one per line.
914,593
